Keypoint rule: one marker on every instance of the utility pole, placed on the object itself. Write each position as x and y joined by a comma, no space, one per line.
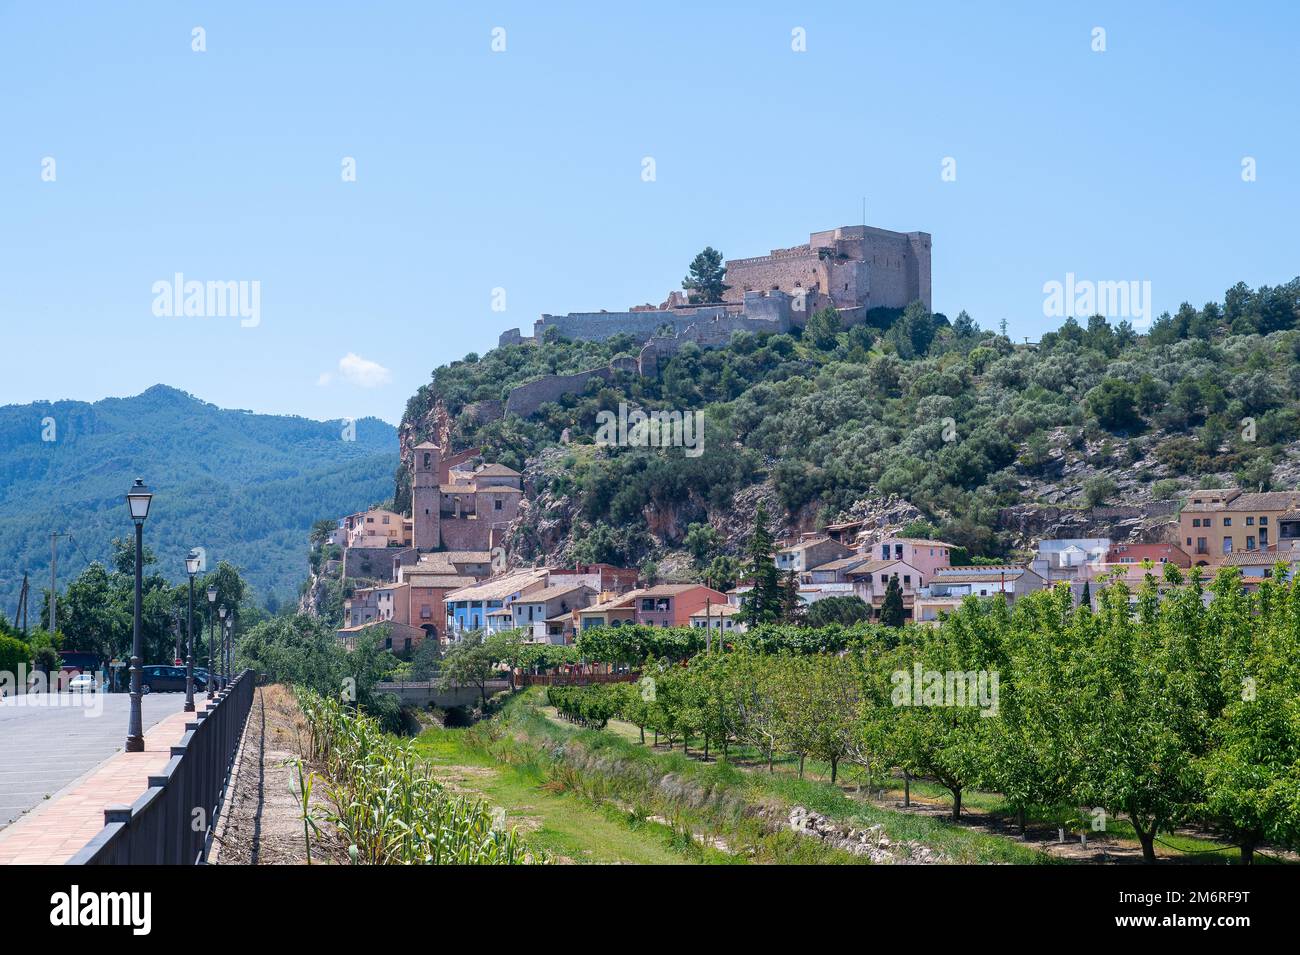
20,618
54,580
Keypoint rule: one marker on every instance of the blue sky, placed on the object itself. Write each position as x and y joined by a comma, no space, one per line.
521,169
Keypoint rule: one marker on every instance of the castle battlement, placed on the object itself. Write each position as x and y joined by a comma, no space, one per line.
851,268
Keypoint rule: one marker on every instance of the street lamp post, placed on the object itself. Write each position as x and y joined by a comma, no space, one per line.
230,644
212,645
221,661
191,568
137,499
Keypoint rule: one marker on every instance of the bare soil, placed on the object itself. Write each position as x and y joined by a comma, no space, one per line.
262,814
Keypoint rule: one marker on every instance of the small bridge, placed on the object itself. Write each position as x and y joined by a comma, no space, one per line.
431,693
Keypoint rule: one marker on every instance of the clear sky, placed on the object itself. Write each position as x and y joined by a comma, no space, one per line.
523,169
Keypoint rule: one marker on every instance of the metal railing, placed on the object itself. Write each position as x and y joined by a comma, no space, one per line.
576,679
172,822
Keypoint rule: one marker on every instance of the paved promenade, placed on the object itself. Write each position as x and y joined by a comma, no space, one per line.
59,826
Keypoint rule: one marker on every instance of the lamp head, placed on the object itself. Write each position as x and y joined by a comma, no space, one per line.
138,499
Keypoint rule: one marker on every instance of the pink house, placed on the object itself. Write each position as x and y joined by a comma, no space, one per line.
925,555
671,605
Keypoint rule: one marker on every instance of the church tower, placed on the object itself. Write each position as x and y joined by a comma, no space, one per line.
426,496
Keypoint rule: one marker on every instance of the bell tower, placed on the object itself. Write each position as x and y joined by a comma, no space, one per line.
426,496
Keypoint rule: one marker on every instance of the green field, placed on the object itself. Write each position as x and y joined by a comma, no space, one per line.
606,800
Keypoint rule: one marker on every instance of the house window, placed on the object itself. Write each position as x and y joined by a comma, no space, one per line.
647,604
1227,544
1263,522
496,504
1250,543
1250,522
1200,546
907,579
1263,537
1227,522
1196,522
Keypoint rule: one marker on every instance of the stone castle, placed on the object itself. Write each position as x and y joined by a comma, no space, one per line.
852,269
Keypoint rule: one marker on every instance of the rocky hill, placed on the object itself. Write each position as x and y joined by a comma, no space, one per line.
926,423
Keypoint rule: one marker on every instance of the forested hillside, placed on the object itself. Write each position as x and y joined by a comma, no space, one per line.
245,487
956,419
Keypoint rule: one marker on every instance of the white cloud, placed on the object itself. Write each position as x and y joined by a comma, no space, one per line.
358,371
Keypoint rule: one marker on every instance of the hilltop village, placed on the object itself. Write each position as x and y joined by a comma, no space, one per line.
445,568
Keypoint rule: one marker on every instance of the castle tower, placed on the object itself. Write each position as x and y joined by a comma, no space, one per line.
425,496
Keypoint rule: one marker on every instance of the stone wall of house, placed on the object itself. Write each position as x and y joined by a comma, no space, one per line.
375,563
467,533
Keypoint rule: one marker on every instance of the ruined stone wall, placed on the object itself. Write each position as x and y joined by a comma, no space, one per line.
718,332
484,412
528,397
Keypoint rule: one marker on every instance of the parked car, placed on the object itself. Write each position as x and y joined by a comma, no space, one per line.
83,683
163,678
200,678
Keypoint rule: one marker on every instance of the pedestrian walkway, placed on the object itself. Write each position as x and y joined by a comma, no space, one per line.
57,829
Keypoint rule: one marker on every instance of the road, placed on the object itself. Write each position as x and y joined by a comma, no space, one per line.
44,747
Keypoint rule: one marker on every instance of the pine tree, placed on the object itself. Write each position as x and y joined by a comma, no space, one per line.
891,610
705,281
1085,598
791,606
763,603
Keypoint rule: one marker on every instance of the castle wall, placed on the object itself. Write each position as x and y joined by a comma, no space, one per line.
598,326
525,399
853,265
787,269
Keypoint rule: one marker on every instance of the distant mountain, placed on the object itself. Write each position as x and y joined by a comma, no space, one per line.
246,487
